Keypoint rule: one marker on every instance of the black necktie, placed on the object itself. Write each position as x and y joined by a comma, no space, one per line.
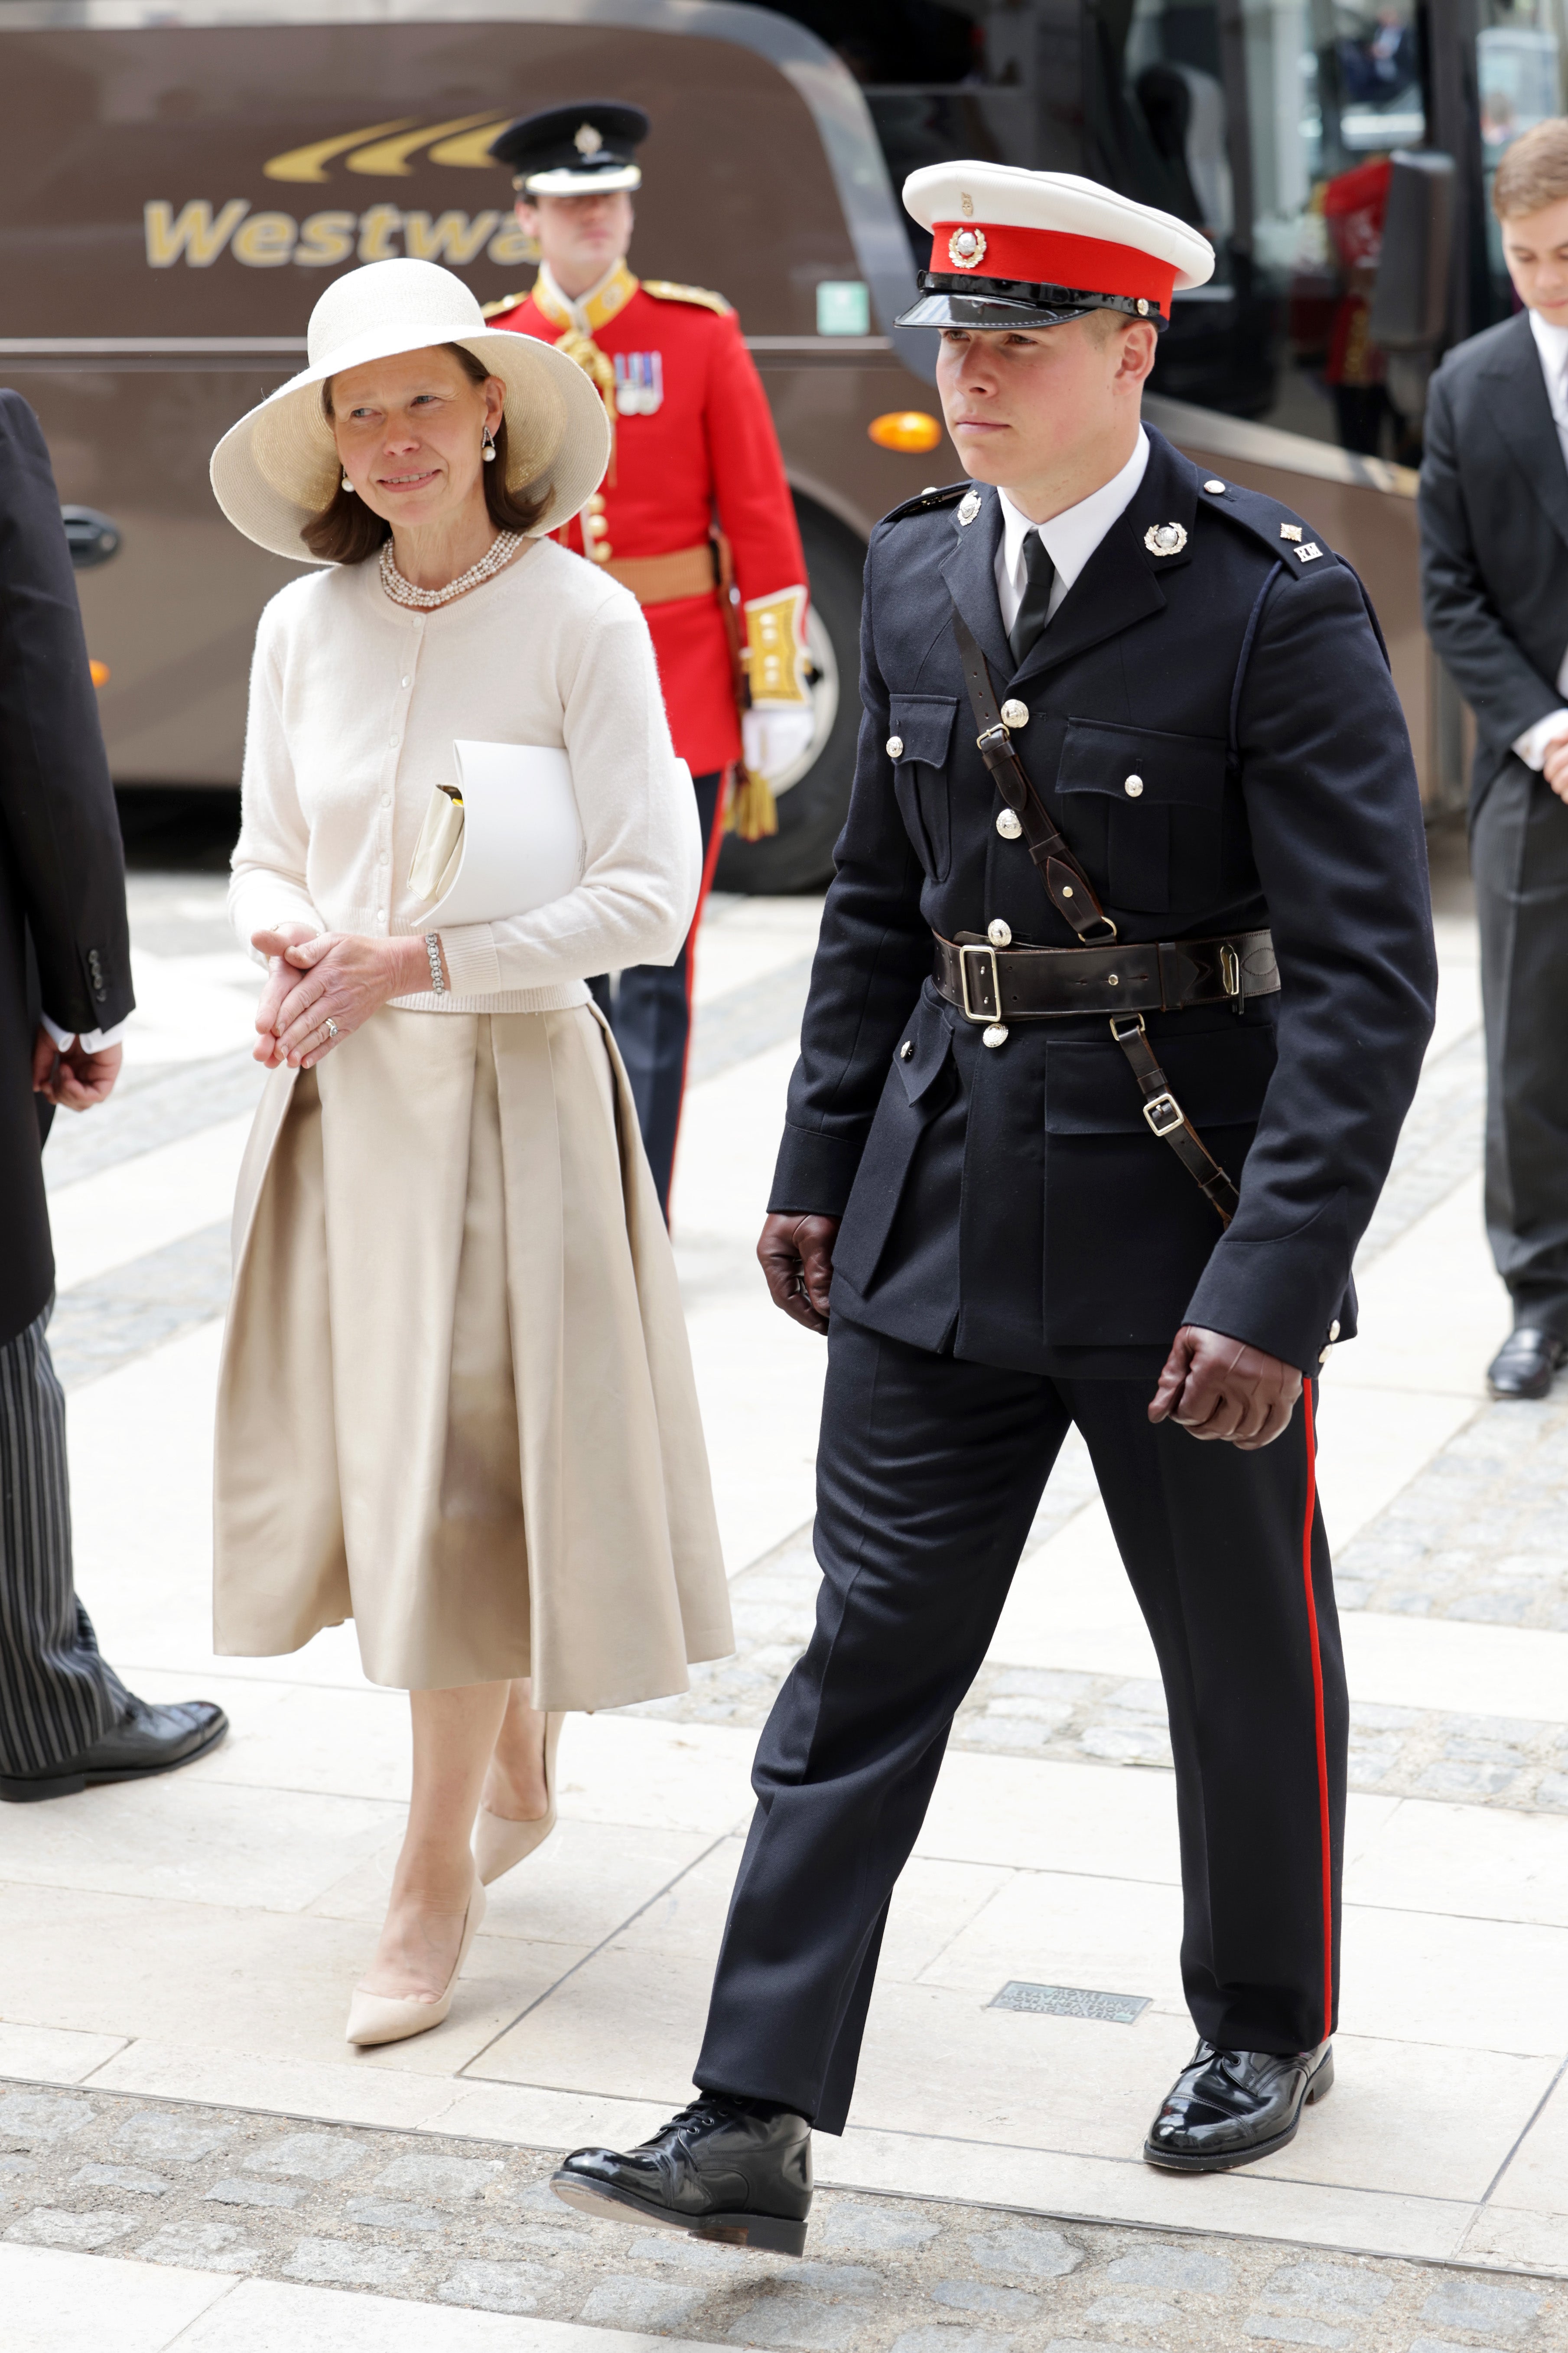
1034,610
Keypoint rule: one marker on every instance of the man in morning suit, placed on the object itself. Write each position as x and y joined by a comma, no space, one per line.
694,446
1121,992
1494,563
66,1719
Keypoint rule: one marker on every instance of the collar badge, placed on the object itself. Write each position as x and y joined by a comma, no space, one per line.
1290,531
966,248
586,139
1165,539
969,506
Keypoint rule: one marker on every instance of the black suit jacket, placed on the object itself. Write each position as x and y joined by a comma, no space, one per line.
64,942
1012,1203
1494,537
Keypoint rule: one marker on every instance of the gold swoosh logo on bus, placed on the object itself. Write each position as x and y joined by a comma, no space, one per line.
388,158
471,150
305,162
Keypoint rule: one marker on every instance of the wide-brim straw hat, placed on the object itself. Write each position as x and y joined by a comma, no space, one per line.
279,467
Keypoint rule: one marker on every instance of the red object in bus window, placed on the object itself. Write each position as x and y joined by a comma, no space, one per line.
1354,204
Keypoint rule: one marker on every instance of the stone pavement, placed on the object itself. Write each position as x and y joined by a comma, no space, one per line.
179,1955
474,2224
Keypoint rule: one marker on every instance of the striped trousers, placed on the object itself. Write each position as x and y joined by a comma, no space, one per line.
57,1695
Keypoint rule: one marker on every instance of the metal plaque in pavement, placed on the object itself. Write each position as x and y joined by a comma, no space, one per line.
1071,2001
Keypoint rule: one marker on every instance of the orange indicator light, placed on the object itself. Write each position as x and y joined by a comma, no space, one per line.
908,429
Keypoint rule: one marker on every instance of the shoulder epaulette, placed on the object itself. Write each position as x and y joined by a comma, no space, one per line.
507,302
1281,529
664,289
930,501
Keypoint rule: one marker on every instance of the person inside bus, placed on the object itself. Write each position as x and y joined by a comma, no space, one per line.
457,1401
1494,561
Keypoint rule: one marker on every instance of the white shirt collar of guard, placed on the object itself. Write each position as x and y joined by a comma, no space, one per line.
1070,538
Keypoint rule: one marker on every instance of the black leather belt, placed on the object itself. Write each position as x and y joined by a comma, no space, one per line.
992,984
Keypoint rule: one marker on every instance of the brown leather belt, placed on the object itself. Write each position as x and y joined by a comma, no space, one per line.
991,983
660,579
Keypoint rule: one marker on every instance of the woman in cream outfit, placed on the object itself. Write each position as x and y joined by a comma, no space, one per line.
455,1400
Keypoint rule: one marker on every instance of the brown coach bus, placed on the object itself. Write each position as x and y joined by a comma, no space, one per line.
179,178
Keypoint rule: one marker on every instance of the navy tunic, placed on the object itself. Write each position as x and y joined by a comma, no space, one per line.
1010,1204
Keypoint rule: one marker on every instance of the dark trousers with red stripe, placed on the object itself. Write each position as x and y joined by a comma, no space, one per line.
649,1010
929,1475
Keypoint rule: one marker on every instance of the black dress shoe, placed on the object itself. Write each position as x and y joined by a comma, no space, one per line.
146,1740
1525,1362
718,2170
1231,2107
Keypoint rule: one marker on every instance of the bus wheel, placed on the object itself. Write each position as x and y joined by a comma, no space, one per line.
814,796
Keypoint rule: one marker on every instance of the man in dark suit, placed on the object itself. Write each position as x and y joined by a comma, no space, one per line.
66,1719
1100,1151
1494,543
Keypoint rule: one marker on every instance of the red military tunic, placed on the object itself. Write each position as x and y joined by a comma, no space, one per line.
694,444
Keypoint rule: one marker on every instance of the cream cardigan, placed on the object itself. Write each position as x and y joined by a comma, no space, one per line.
354,703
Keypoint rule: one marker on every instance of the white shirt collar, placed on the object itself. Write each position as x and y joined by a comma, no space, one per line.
1551,343
1072,536
578,307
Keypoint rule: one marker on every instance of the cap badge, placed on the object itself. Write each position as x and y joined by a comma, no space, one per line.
1165,539
966,248
586,139
1290,531
966,207
969,506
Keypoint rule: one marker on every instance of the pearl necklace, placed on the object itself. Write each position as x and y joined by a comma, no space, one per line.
499,553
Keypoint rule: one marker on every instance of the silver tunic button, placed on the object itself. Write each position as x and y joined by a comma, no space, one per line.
1007,825
895,747
1014,713
999,934
1334,1329
1212,485
1132,787
996,1035
906,1049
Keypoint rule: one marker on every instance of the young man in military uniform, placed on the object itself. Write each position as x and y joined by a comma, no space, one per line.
1120,998
694,446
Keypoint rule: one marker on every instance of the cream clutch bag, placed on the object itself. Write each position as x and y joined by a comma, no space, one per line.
505,840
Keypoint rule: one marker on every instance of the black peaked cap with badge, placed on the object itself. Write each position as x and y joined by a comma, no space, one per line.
587,149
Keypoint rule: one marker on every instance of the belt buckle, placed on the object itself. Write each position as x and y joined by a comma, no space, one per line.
980,948
1230,977
1163,1114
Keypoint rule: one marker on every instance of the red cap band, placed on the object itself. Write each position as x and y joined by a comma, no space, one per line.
1047,257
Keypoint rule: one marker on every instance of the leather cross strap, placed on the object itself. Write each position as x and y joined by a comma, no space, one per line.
1074,898
1072,892
993,984
1167,1120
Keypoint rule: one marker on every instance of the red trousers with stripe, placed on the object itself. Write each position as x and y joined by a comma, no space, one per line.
929,1473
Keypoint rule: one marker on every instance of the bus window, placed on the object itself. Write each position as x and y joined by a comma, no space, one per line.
1517,84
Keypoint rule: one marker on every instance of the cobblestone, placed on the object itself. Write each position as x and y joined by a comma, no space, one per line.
881,2272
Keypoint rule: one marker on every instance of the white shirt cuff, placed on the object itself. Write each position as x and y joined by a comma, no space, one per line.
1532,745
95,1041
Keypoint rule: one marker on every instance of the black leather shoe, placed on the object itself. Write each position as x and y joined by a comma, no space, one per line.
1525,1362
1231,2107
718,2170
146,1740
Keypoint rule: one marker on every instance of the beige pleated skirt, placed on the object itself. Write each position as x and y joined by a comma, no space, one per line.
455,1401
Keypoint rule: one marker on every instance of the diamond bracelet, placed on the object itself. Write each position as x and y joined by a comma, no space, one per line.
433,950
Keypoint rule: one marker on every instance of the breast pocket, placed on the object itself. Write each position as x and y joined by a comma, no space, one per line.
1154,802
921,727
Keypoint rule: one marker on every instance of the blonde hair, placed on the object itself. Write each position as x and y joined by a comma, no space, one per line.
1533,173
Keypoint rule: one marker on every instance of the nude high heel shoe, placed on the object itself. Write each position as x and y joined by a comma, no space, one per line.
392,2018
500,1845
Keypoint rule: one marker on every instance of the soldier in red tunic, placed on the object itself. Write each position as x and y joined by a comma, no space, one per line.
695,495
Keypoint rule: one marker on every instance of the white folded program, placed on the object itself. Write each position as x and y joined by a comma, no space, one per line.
509,840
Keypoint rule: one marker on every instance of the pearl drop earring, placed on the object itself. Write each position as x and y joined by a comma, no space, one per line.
489,450
347,484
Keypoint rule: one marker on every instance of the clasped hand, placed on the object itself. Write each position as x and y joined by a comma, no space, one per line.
316,977
1212,1387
